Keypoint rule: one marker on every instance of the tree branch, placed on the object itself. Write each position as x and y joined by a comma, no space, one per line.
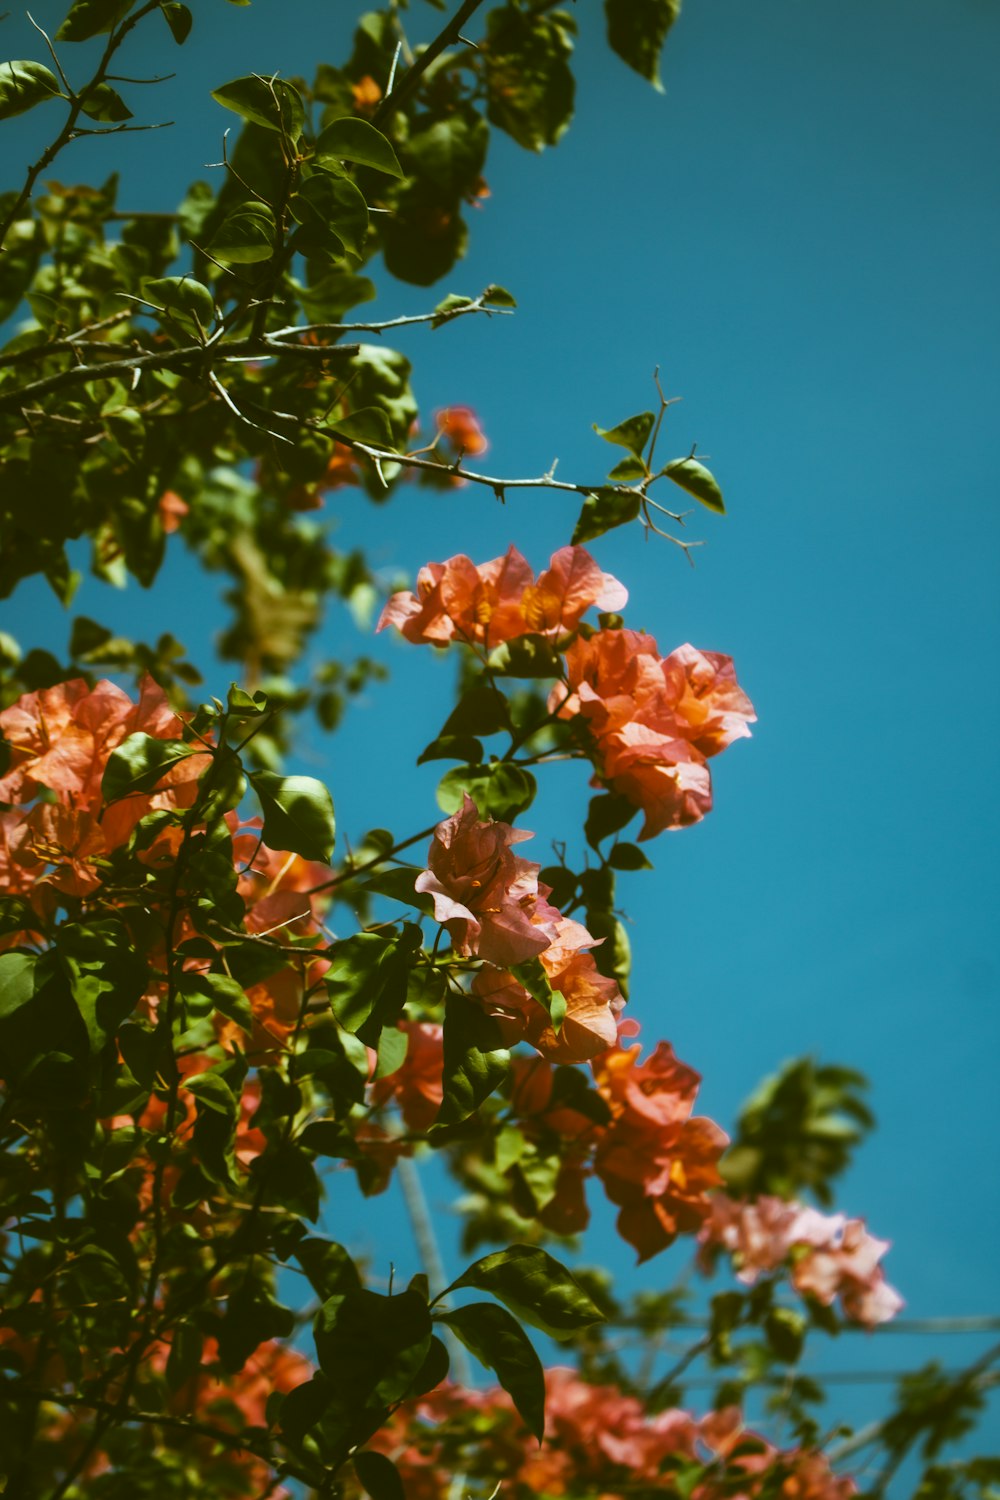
69,131
168,359
412,76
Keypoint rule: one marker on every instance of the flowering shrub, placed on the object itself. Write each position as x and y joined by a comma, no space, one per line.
214,1008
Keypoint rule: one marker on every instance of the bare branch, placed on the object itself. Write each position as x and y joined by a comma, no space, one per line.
475,305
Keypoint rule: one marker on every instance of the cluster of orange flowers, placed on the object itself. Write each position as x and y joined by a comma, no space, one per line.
599,1442
652,722
494,908
488,603
830,1255
57,836
655,1160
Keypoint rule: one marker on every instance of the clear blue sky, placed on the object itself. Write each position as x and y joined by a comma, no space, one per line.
803,234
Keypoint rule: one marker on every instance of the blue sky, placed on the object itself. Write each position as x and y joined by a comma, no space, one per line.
802,234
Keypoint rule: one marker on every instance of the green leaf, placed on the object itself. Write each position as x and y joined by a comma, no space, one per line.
526,656
18,973
628,469
270,102
393,1046
632,434
298,814
357,141
106,976
140,763
224,787
482,709
226,995
449,155
532,975
398,883
499,789
186,300
215,1126
332,215
628,857
287,1179
246,705
614,956
102,102
329,1269
187,1344
607,813
447,308
367,979
23,85
452,747
697,481
603,510
498,296
379,1476
499,1342
178,18
212,1090
246,236
535,1287
637,30
369,425
530,89
785,1329
475,1060
251,1318
89,18
372,1346
570,1090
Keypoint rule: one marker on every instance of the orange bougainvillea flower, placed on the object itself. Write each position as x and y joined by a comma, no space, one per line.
593,1001
830,1255
417,1085
500,600
482,893
172,510
367,95
61,737
492,905
654,720
655,1161
342,468
600,1441
459,426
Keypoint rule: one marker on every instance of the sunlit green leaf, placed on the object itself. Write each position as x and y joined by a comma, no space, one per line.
87,18
697,481
632,434
535,1287
270,102
602,510
357,141
298,814
23,85
140,762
